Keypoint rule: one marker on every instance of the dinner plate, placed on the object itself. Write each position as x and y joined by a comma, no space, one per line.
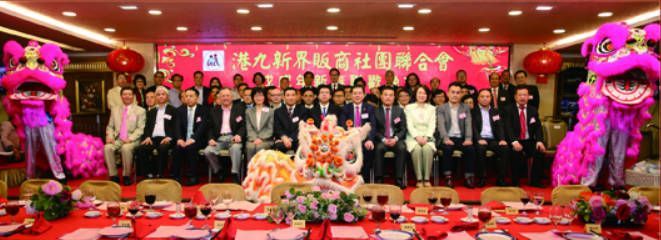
92,214
419,219
401,219
493,236
542,220
242,216
439,219
523,220
177,215
115,232
153,214
469,220
160,204
565,221
503,220
456,206
97,202
394,235
191,234
260,216
223,215
582,236
656,208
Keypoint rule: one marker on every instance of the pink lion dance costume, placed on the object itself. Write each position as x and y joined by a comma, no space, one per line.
613,105
41,115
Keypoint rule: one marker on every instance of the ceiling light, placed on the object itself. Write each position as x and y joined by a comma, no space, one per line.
69,13
40,39
559,31
265,5
484,29
242,11
515,12
331,28
109,29
405,5
605,14
256,28
182,28
424,11
408,28
128,7
155,12
333,10
46,21
544,8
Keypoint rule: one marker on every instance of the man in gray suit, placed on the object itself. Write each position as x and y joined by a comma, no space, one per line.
125,127
455,130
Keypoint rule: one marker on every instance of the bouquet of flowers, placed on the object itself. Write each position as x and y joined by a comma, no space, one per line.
317,206
53,200
612,208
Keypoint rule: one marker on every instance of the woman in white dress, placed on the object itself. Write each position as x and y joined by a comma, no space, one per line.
421,124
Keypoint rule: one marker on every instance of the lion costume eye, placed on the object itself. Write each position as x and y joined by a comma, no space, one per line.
12,63
605,46
55,66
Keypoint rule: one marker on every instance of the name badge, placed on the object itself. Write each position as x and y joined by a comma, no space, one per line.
408,227
300,224
265,110
199,119
593,228
294,120
491,224
364,116
530,97
532,120
397,120
496,117
511,211
269,209
238,119
167,116
502,99
462,115
421,211
218,225
124,223
28,221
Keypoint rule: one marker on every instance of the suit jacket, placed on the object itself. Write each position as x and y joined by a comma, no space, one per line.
204,95
199,125
393,86
509,90
135,122
284,125
169,122
265,129
444,121
533,123
334,88
496,121
397,123
533,99
316,113
367,116
140,96
504,98
237,121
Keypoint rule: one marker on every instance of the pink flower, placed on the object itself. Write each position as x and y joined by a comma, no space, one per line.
334,195
316,188
596,201
76,195
348,217
51,188
302,208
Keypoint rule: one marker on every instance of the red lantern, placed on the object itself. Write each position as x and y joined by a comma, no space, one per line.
542,63
125,60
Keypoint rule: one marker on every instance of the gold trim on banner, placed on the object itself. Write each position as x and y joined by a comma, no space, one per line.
88,67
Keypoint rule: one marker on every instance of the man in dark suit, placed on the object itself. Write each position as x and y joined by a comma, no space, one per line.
455,132
159,77
489,134
324,107
159,134
139,91
203,91
191,135
390,81
308,80
335,83
390,135
499,96
506,85
524,130
286,122
227,130
360,114
521,78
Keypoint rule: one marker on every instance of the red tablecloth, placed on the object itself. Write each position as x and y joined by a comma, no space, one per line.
76,220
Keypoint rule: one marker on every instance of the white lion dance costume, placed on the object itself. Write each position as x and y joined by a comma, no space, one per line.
330,158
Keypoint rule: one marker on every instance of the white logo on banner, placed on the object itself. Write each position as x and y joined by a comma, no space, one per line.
213,60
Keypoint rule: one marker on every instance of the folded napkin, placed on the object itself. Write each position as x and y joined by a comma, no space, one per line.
520,206
251,234
199,198
496,205
463,235
548,235
39,226
9,229
465,226
432,233
243,205
165,231
82,234
286,233
406,209
348,232
417,205
475,211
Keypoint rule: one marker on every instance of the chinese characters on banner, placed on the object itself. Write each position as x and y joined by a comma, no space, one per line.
367,61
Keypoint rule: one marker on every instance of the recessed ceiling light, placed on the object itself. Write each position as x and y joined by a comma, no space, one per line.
333,10
408,28
605,14
69,13
405,5
484,29
242,11
256,28
109,29
559,31
155,12
128,7
544,8
424,11
515,12
331,28
265,5
182,28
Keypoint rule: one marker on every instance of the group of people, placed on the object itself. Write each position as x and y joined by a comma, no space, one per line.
413,121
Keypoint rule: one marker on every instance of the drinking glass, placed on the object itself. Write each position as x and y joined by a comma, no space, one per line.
525,199
12,208
114,211
190,210
484,214
205,209
134,208
446,200
382,198
555,214
395,212
538,200
150,199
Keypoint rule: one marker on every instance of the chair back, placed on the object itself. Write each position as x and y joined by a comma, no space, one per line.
31,186
651,192
420,195
395,194
3,189
164,189
508,194
216,190
102,190
564,194
554,131
280,189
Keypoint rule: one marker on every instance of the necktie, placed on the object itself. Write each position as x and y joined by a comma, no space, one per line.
123,128
189,127
522,122
356,116
289,111
323,110
388,133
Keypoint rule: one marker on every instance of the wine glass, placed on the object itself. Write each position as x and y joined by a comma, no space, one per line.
382,198
555,214
538,200
227,199
205,209
432,199
367,198
446,200
12,208
114,211
134,208
150,199
569,214
469,212
190,210
395,212
213,197
484,214
525,199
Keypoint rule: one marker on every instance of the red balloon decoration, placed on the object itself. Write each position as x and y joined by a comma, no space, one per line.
542,63
125,60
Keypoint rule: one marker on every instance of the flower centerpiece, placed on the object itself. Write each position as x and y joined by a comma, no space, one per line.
53,200
612,208
317,205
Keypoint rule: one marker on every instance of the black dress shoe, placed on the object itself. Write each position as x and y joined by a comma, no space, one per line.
400,184
448,182
191,181
469,182
114,179
481,182
501,183
127,181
